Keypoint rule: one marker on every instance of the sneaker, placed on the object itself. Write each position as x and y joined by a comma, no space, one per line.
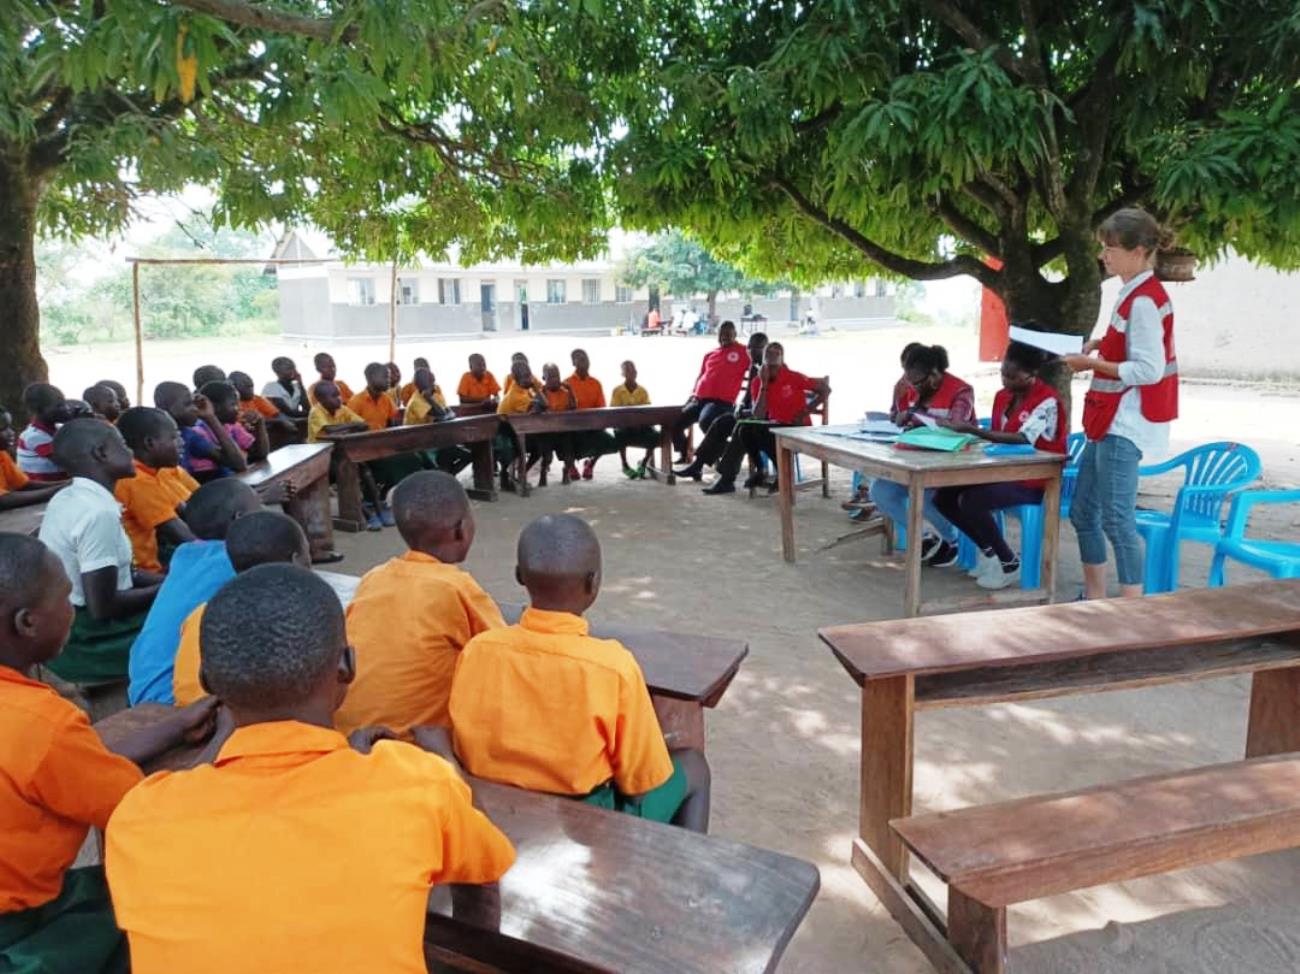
929,545
640,470
571,471
373,523
1006,574
588,469
983,565
386,517
630,474
943,555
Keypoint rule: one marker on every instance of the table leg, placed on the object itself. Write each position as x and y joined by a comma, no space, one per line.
886,782
785,476
311,509
1051,534
348,479
484,471
521,464
912,563
1274,706
682,721
666,453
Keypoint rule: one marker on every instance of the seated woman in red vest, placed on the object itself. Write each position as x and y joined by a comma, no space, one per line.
1025,410
932,391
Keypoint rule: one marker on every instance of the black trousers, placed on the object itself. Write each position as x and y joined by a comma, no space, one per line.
751,439
703,411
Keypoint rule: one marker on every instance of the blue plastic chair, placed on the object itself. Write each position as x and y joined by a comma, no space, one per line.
1211,473
1074,445
1281,559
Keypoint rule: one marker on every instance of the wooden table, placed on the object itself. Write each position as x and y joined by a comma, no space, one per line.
919,470
306,467
685,673
352,449
597,891
23,520
1037,652
583,420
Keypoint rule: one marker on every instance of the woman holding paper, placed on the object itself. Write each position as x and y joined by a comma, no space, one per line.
1129,406
932,393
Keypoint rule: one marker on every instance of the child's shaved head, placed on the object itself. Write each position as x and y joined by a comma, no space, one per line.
271,639
266,538
433,515
86,444
35,614
24,562
216,505
559,563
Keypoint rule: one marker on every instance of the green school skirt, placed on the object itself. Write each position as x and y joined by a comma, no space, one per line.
74,933
97,651
658,805
591,444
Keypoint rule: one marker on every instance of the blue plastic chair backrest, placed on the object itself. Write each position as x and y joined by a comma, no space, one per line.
1226,465
1074,445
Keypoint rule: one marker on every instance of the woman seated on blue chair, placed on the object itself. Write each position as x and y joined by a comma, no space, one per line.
1026,410
932,391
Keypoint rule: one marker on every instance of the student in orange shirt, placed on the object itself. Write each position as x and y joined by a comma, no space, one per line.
259,538
395,385
379,410
250,401
153,501
515,359
329,372
292,852
558,397
542,705
478,384
409,389
424,596
103,401
57,780
588,393
16,488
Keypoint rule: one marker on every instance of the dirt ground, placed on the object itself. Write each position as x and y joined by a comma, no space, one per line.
784,742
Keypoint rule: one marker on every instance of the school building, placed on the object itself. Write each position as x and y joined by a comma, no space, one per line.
338,301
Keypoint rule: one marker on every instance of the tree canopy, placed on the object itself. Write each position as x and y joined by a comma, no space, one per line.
677,264
926,136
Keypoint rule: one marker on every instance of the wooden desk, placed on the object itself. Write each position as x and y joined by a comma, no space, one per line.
23,520
920,470
685,673
596,891
1036,652
462,409
305,466
351,449
581,420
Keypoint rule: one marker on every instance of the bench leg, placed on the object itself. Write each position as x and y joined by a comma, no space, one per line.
666,454
886,776
977,932
311,509
1274,704
682,722
348,480
521,464
485,483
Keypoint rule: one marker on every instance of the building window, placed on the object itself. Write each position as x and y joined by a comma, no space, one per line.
448,290
837,290
361,290
408,291
591,292
880,288
555,291
623,295
859,289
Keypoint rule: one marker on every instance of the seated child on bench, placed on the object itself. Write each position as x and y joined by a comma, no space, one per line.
542,705
16,488
293,851
153,501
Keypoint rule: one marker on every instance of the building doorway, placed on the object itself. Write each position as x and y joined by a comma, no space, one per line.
488,306
521,293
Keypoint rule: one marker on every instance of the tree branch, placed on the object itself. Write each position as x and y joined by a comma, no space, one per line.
916,269
976,38
269,18
1033,62
965,227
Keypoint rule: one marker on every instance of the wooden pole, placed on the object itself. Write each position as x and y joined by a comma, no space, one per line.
139,335
392,315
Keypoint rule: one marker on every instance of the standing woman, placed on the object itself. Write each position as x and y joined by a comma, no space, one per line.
1129,406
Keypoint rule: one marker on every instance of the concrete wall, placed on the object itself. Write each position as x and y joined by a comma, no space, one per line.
304,308
1235,320
842,313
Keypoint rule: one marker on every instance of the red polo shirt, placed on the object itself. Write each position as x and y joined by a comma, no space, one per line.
723,373
787,395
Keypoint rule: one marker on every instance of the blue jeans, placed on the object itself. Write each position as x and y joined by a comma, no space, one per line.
1105,506
891,500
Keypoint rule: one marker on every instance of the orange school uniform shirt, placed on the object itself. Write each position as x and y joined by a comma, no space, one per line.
515,401
295,854
345,391
260,405
472,387
56,781
185,668
557,400
408,622
11,477
542,705
376,412
588,392
149,499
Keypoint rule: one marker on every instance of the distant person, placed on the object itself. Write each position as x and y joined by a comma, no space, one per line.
328,371
103,401
153,501
408,390
630,392
119,390
721,374
713,446
210,451
246,427
207,373
478,385
286,391
588,393
46,409
16,488
250,401
395,385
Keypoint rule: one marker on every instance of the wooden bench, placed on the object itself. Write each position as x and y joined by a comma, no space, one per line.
305,467
997,855
353,449
685,673
23,520
1037,652
583,420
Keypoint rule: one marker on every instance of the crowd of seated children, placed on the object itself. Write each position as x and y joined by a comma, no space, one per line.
209,450
46,409
17,489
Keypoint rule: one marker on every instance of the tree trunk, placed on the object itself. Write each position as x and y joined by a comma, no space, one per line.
713,308
20,317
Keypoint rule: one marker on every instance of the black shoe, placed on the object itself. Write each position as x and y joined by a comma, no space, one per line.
507,482
721,487
944,555
929,545
757,479
695,471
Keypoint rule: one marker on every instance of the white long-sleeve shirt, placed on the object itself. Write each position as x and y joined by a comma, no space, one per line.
1144,365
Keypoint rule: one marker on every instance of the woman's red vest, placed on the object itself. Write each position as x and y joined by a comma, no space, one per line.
1037,394
940,403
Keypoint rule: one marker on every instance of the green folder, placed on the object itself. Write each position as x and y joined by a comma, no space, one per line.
936,438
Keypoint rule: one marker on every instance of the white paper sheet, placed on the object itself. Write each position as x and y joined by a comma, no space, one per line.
1048,341
879,426
925,420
